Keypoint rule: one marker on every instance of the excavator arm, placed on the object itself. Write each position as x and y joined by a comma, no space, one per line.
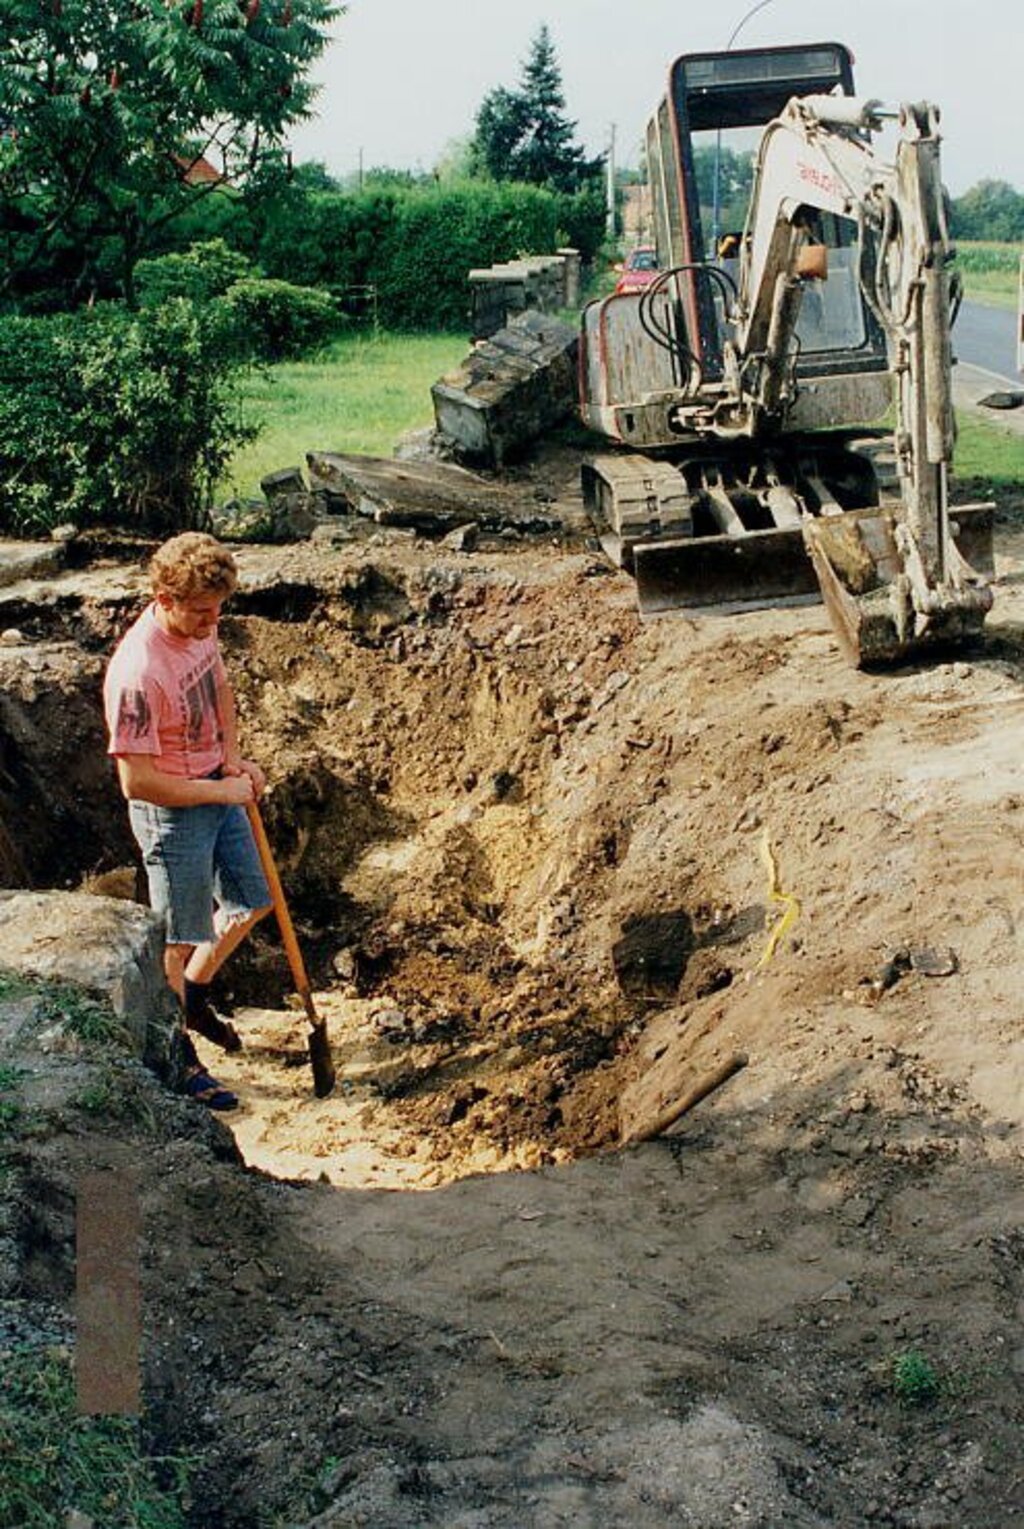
891,579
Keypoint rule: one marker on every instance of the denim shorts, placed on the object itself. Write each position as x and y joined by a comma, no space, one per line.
196,858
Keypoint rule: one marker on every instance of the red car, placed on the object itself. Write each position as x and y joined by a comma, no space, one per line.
638,270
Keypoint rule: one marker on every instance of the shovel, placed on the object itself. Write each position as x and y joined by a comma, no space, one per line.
319,1047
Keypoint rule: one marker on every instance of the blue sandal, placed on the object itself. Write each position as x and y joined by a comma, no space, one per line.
206,1090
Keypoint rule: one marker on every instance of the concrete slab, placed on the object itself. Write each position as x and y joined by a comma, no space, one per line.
29,560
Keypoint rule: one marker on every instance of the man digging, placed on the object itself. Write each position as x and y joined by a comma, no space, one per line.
170,713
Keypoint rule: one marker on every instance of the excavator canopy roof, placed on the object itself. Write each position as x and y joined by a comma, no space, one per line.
750,86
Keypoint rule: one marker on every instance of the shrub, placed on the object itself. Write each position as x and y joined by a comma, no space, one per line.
276,320
204,271
113,417
914,1379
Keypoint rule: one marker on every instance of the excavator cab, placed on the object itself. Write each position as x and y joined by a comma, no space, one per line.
745,388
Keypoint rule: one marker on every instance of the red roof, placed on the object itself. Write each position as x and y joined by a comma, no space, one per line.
198,171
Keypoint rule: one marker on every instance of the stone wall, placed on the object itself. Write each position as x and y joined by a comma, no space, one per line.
536,283
509,390
108,947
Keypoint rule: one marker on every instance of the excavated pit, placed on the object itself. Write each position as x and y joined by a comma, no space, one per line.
449,859
514,825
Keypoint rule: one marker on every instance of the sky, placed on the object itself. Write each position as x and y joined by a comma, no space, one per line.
402,79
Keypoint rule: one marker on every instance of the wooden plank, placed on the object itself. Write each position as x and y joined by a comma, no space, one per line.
107,1293
667,1089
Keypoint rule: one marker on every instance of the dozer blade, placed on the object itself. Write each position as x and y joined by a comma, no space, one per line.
869,592
723,574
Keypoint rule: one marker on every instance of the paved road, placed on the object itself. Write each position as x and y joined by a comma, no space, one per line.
986,337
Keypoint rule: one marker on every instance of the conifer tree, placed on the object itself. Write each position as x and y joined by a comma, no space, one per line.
525,135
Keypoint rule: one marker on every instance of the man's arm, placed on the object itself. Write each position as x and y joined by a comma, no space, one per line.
141,781
234,764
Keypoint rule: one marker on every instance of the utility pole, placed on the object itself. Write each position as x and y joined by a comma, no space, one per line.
360,169
610,183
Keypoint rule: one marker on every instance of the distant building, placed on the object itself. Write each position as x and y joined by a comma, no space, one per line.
637,224
198,171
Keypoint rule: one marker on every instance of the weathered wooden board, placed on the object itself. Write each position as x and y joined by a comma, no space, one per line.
670,1083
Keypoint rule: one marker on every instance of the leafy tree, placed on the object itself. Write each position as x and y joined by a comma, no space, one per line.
380,177
313,175
990,210
524,134
455,161
735,171
111,115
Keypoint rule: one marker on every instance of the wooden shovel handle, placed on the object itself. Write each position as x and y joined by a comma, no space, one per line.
284,918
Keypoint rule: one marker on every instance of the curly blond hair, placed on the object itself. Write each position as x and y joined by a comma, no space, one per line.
191,565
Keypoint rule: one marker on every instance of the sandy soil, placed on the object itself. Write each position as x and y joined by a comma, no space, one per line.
539,854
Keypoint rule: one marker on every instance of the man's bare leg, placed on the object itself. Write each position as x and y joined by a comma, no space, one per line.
202,965
207,959
175,960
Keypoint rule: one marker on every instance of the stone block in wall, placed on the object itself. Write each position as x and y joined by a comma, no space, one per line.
570,276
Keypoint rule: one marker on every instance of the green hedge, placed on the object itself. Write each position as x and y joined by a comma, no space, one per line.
113,417
417,246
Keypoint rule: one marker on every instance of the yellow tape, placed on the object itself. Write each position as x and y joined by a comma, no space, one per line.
789,903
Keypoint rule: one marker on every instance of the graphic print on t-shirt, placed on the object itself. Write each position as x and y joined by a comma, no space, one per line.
161,697
200,701
134,717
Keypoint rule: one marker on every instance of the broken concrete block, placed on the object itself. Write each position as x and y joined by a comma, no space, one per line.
30,560
293,515
509,389
242,520
287,480
109,948
429,497
463,538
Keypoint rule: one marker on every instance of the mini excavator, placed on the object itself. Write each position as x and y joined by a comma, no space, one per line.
779,408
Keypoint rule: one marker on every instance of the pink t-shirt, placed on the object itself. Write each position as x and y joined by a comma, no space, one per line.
160,698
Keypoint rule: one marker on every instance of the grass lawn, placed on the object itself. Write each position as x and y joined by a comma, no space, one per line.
986,450
360,395
990,272
994,288
364,392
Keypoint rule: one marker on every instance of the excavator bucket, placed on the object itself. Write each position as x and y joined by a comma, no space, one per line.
723,574
867,586
850,560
